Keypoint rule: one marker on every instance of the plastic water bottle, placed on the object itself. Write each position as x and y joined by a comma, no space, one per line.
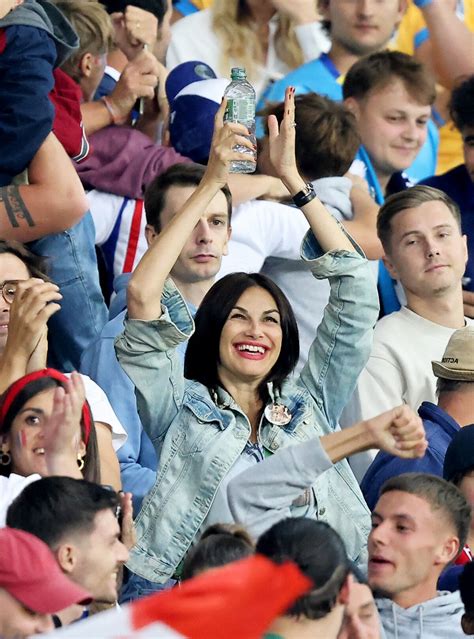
240,96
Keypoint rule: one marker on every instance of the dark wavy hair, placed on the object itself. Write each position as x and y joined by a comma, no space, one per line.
91,470
202,354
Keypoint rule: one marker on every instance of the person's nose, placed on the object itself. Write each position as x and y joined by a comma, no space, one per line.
432,248
203,232
254,329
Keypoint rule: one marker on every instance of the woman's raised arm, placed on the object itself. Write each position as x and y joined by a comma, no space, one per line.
326,229
147,282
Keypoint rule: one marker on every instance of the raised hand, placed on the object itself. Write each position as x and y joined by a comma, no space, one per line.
62,431
35,301
399,432
282,140
226,136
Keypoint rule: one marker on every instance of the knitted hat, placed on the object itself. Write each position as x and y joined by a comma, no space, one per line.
459,456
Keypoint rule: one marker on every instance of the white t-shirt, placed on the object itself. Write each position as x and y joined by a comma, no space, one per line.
398,371
10,488
103,412
193,38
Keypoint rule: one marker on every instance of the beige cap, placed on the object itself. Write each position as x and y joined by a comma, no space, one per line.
458,359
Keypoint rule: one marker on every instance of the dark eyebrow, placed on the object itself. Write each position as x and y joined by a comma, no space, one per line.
244,310
38,411
437,228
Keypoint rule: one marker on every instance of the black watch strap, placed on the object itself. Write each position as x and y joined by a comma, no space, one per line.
304,196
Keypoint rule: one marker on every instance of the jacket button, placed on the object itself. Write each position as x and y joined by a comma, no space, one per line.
273,445
322,511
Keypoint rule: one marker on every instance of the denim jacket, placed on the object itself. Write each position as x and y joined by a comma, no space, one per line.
198,437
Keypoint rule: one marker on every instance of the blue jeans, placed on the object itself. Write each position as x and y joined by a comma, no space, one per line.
72,265
135,587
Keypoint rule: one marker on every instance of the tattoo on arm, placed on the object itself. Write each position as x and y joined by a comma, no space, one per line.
14,206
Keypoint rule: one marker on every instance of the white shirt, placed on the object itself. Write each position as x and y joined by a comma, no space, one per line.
103,412
398,371
10,488
193,38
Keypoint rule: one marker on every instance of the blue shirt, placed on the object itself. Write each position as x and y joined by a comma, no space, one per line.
137,457
440,429
321,76
458,185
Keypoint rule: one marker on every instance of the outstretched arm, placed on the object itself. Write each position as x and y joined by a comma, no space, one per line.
52,202
326,229
147,282
263,494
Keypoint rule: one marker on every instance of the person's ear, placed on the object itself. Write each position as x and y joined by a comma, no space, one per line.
86,64
390,266
465,249
81,449
66,556
150,234
353,106
402,8
345,591
225,250
447,551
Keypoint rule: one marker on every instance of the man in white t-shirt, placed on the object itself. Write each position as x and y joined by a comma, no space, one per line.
420,231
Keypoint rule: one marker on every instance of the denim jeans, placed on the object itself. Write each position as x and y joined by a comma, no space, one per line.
72,265
135,587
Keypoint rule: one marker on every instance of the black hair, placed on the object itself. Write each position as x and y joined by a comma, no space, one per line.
91,470
202,354
157,7
461,107
466,590
444,385
219,545
320,554
181,174
35,264
52,507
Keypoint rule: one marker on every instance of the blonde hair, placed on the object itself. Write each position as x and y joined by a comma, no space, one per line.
232,24
92,24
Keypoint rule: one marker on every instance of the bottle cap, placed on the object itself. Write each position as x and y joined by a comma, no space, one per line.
238,73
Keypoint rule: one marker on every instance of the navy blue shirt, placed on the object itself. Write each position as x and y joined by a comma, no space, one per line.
440,429
458,185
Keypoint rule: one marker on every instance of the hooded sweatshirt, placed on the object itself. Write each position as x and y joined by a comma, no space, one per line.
34,38
438,618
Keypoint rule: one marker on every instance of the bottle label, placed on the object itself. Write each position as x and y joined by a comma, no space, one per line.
240,110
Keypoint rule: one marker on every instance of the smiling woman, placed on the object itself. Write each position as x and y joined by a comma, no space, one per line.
29,409
237,401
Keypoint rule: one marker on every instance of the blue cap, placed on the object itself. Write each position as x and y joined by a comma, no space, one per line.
192,115
184,74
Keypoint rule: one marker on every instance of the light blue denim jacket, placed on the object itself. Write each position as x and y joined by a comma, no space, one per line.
198,439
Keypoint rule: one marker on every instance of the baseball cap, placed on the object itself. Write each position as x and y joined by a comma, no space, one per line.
187,73
30,573
195,94
458,359
459,456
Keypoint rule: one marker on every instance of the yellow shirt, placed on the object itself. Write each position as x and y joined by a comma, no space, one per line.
411,34
202,4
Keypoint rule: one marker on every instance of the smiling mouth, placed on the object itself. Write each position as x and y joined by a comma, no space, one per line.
38,451
251,351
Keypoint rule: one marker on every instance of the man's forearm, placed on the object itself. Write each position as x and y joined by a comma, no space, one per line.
347,442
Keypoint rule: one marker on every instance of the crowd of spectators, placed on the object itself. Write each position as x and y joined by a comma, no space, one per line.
233,405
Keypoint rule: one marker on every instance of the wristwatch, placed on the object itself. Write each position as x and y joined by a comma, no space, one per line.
304,196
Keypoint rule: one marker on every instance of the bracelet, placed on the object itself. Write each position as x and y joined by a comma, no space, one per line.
116,119
304,196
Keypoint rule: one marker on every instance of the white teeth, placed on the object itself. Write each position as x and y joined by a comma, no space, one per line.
251,348
38,451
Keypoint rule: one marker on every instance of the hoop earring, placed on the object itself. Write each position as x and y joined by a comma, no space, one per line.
80,462
5,458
